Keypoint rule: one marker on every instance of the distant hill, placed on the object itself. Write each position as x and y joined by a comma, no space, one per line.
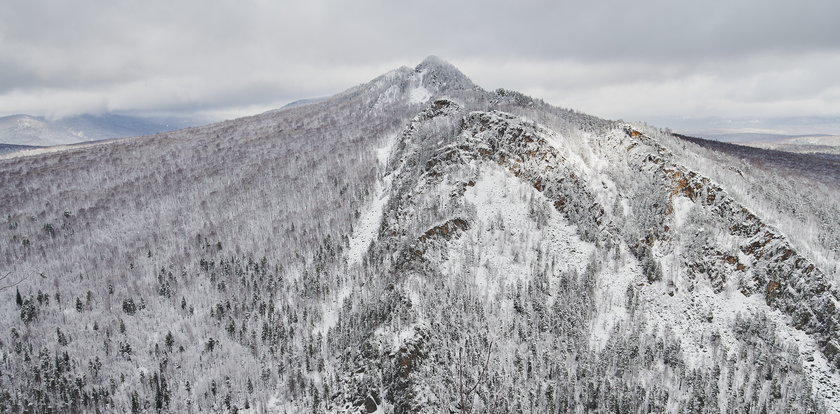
39,131
819,167
302,102
7,148
739,137
807,144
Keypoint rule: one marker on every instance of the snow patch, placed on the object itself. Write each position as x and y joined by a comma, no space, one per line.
383,153
395,338
504,228
419,95
367,227
682,207
611,296
329,311
365,230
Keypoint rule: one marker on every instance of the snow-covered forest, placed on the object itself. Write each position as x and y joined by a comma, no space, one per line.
416,244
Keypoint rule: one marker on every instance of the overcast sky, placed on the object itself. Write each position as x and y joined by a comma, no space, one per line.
671,63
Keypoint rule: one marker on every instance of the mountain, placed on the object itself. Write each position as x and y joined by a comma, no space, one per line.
38,131
416,244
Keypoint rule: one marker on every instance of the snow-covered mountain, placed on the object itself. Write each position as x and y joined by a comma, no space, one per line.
38,131
417,244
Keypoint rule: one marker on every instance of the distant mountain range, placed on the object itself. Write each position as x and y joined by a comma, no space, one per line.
805,144
800,144
21,132
27,130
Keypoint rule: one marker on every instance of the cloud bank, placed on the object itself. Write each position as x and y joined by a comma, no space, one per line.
644,60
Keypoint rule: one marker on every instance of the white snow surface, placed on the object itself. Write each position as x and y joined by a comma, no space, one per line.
330,309
419,94
503,233
682,207
367,227
611,296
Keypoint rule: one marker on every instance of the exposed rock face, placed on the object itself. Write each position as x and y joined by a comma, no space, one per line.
789,282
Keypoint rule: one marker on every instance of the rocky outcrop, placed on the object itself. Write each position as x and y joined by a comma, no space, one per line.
521,147
431,164
787,280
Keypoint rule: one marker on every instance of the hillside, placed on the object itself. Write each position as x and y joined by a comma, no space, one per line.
416,244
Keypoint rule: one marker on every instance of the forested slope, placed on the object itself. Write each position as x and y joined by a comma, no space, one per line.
414,244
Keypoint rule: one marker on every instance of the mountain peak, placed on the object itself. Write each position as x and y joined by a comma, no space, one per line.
440,74
433,60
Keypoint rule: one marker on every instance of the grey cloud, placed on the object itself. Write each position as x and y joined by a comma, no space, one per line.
748,57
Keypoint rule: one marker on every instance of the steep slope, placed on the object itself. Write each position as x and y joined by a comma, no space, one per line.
496,219
120,244
447,249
